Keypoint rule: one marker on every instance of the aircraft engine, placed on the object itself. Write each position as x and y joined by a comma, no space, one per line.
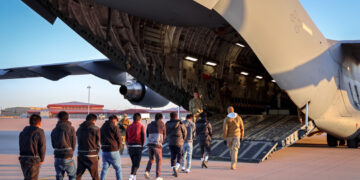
138,94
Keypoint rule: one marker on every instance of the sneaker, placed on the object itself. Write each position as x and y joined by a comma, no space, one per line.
159,178
177,166
187,170
204,164
183,169
175,172
147,174
131,177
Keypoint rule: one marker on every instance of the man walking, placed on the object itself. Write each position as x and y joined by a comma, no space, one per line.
156,134
233,131
32,148
63,140
135,139
204,132
110,145
176,134
188,144
88,136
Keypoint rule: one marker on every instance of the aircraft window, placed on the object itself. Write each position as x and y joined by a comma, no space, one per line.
357,93
352,95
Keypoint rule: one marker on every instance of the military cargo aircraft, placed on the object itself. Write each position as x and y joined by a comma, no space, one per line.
265,55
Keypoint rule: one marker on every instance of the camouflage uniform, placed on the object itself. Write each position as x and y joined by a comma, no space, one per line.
123,124
196,107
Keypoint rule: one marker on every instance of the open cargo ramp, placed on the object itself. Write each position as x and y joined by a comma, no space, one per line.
263,136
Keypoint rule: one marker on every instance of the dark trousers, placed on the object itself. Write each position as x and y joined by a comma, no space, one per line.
89,163
176,154
157,153
135,156
30,167
205,147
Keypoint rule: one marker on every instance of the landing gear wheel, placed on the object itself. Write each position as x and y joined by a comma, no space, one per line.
331,140
353,143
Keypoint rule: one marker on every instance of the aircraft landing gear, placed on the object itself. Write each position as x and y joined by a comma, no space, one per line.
331,140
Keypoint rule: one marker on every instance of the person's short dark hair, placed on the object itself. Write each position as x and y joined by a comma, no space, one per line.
63,116
137,117
34,119
113,117
203,115
189,116
91,117
158,116
173,115
195,91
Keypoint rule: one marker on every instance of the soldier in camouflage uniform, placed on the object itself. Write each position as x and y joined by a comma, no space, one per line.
123,124
196,106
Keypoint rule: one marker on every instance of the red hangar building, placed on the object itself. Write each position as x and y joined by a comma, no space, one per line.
75,109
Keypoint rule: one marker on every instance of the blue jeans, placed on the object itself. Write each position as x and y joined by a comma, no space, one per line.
111,158
188,149
65,165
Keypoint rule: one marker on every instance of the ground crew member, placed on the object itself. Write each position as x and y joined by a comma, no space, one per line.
188,144
124,123
32,144
156,134
196,106
233,131
63,140
88,137
176,134
204,132
110,145
135,139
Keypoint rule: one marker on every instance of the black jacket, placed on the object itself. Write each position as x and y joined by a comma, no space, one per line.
110,137
63,139
204,130
32,142
175,132
88,136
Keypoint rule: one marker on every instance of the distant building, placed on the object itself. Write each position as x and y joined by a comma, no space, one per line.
76,110
17,111
79,110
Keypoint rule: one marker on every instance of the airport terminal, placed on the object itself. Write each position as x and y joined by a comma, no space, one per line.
262,69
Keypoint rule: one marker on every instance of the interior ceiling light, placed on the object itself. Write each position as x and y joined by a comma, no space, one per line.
273,81
191,58
259,77
244,73
211,63
239,44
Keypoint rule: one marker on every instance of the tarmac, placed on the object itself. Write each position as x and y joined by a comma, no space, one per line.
310,158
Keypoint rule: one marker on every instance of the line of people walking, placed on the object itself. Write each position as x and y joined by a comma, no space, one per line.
90,139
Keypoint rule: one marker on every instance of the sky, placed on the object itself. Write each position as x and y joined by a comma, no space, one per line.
27,39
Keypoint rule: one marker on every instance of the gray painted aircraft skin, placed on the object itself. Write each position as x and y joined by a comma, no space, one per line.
309,67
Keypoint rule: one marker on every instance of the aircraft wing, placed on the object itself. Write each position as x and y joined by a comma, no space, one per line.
102,68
